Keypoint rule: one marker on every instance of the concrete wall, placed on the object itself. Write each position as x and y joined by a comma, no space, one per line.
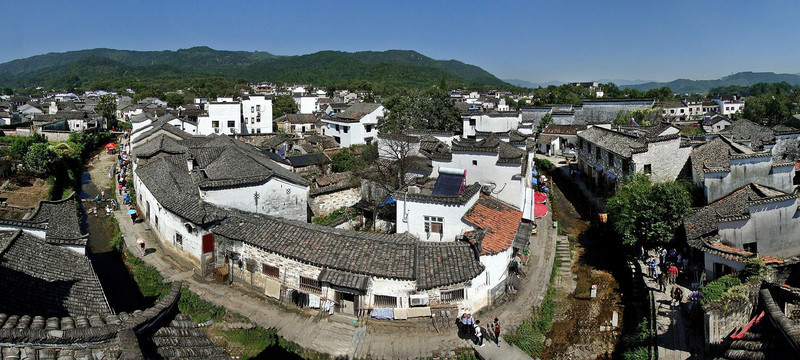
775,227
257,115
416,210
184,125
489,123
505,177
223,112
746,171
275,197
169,224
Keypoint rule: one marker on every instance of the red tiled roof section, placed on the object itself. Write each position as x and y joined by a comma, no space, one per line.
499,218
740,252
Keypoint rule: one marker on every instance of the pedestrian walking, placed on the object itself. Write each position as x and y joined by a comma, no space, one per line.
496,327
478,333
673,274
462,326
103,195
141,245
662,282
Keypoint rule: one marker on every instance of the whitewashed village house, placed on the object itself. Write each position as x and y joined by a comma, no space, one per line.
606,155
358,125
200,194
250,114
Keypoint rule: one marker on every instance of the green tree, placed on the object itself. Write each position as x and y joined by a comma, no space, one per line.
39,160
345,160
643,117
107,107
647,214
438,111
282,105
174,99
403,111
547,119
8,91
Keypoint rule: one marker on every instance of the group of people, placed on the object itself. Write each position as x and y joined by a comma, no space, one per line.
666,267
469,326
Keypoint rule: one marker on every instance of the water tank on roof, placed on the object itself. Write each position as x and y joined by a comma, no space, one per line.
413,190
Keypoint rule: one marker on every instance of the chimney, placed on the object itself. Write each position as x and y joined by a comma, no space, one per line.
190,163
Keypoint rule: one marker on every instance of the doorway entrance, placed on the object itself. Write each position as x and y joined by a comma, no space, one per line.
347,302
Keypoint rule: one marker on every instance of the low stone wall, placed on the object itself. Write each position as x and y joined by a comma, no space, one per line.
326,203
54,136
722,318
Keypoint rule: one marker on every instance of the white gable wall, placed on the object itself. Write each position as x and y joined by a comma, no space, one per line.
775,227
416,210
276,197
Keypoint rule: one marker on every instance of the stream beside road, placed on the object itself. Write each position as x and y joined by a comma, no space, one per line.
121,290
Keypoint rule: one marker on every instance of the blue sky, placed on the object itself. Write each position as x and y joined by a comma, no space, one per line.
530,40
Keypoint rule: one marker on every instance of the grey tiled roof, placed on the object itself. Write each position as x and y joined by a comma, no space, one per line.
273,142
355,112
139,118
308,159
344,279
150,333
747,131
434,148
48,280
63,223
736,206
159,144
158,126
781,129
617,142
394,256
507,154
716,154
221,162
296,118
183,340
169,181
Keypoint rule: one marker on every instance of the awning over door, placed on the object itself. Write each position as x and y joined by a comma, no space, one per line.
344,279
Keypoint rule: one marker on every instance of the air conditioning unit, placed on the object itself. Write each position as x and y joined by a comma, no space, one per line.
419,300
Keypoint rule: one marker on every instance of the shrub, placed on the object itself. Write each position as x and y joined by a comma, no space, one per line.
200,310
715,290
544,165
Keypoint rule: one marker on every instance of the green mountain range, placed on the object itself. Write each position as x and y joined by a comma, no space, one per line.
384,69
747,78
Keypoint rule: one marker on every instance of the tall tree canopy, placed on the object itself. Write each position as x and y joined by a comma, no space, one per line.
282,105
647,214
430,109
107,107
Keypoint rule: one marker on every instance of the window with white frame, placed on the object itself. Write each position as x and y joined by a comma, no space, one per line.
434,224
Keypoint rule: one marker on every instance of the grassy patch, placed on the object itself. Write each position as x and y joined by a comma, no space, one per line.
250,342
117,242
200,309
337,214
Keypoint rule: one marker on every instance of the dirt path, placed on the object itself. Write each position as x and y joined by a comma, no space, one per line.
99,169
576,331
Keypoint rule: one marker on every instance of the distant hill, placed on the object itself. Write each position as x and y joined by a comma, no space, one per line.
702,86
387,68
532,85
